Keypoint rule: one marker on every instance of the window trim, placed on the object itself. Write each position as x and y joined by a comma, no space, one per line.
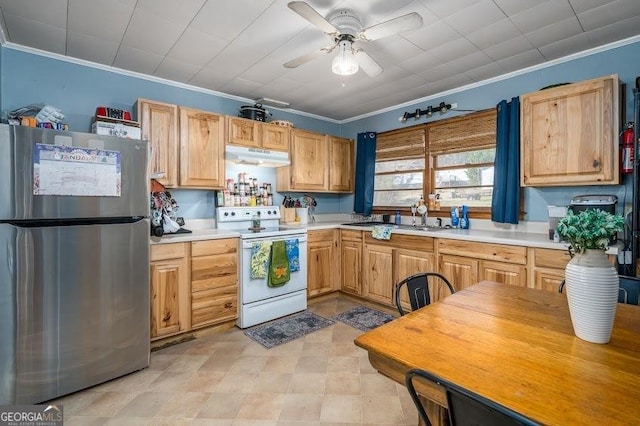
453,130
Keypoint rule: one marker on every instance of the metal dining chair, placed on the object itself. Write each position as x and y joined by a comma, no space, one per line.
420,288
466,408
628,292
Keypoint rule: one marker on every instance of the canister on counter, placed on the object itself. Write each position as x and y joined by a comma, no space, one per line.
432,201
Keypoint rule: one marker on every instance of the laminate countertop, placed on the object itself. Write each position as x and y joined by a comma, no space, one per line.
195,235
518,238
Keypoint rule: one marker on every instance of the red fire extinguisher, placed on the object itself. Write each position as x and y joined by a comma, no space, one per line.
627,152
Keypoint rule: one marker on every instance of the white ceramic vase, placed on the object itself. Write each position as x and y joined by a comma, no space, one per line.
591,284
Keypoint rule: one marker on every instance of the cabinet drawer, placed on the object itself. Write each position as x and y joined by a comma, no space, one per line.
169,251
320,235
214,305
549,258
213,271
350,235
498,252
209,247
409,242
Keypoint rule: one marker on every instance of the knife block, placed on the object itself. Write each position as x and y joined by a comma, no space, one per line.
287,214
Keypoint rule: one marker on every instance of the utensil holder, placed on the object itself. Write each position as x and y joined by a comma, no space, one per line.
287,214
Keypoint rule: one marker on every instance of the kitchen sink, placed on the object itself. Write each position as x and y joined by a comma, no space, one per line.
367,223
411,227
420,227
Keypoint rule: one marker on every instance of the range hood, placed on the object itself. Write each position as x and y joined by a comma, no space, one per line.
256,156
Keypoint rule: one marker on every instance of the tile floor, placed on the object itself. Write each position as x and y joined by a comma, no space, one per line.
228,379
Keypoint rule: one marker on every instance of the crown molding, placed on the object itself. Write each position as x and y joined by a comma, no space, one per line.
185,86
491,80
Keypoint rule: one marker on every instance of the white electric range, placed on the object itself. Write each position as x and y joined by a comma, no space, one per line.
259,302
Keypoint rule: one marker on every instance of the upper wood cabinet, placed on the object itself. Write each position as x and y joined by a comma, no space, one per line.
319,163
275,137
569,134
341,165
159,126
244,132
309,157
256,134
201,149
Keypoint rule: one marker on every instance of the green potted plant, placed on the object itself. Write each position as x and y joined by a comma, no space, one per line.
591,281
590,229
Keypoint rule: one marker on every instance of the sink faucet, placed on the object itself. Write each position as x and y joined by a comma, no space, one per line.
439,221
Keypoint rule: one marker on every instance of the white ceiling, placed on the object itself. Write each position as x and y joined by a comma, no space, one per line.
238,46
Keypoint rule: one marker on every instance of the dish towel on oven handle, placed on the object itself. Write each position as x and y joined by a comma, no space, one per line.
293,254
259,259
279,272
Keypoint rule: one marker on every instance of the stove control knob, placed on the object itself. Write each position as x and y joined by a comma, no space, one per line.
233,213
226,213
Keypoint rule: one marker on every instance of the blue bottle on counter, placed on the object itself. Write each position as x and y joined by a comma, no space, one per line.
398,218
454,217
464,218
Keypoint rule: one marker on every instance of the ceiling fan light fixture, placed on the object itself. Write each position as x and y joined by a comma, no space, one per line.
344,62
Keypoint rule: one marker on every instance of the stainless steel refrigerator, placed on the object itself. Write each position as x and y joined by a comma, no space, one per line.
74,261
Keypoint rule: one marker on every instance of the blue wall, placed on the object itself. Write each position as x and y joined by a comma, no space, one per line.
27,78
624,61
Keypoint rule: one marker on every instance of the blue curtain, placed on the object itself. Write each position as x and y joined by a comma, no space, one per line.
505,204
365,172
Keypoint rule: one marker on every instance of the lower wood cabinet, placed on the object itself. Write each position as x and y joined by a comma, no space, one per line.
385,262
193,285
465,263
214,281
323,253
378,273
461,271
549,265
169,277
351,261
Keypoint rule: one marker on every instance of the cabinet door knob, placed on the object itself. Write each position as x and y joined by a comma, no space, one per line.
166,317
228,305
596,164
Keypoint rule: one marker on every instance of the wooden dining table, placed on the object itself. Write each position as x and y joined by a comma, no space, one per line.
516,346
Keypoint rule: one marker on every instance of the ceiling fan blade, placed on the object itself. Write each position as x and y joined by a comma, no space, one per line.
368,65
305,58
311,15
392,26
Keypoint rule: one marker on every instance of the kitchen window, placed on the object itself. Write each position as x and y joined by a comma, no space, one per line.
452,157
400,168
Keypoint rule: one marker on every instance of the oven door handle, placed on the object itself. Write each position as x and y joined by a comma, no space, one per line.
247,244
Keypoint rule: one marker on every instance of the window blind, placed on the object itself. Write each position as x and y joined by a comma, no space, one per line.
463,133
401,144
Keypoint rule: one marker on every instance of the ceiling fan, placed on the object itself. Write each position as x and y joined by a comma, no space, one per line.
345,28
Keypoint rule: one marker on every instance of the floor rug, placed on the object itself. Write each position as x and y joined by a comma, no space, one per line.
363,318
286,329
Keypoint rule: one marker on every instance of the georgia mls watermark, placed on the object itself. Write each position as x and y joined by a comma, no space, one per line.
31,415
